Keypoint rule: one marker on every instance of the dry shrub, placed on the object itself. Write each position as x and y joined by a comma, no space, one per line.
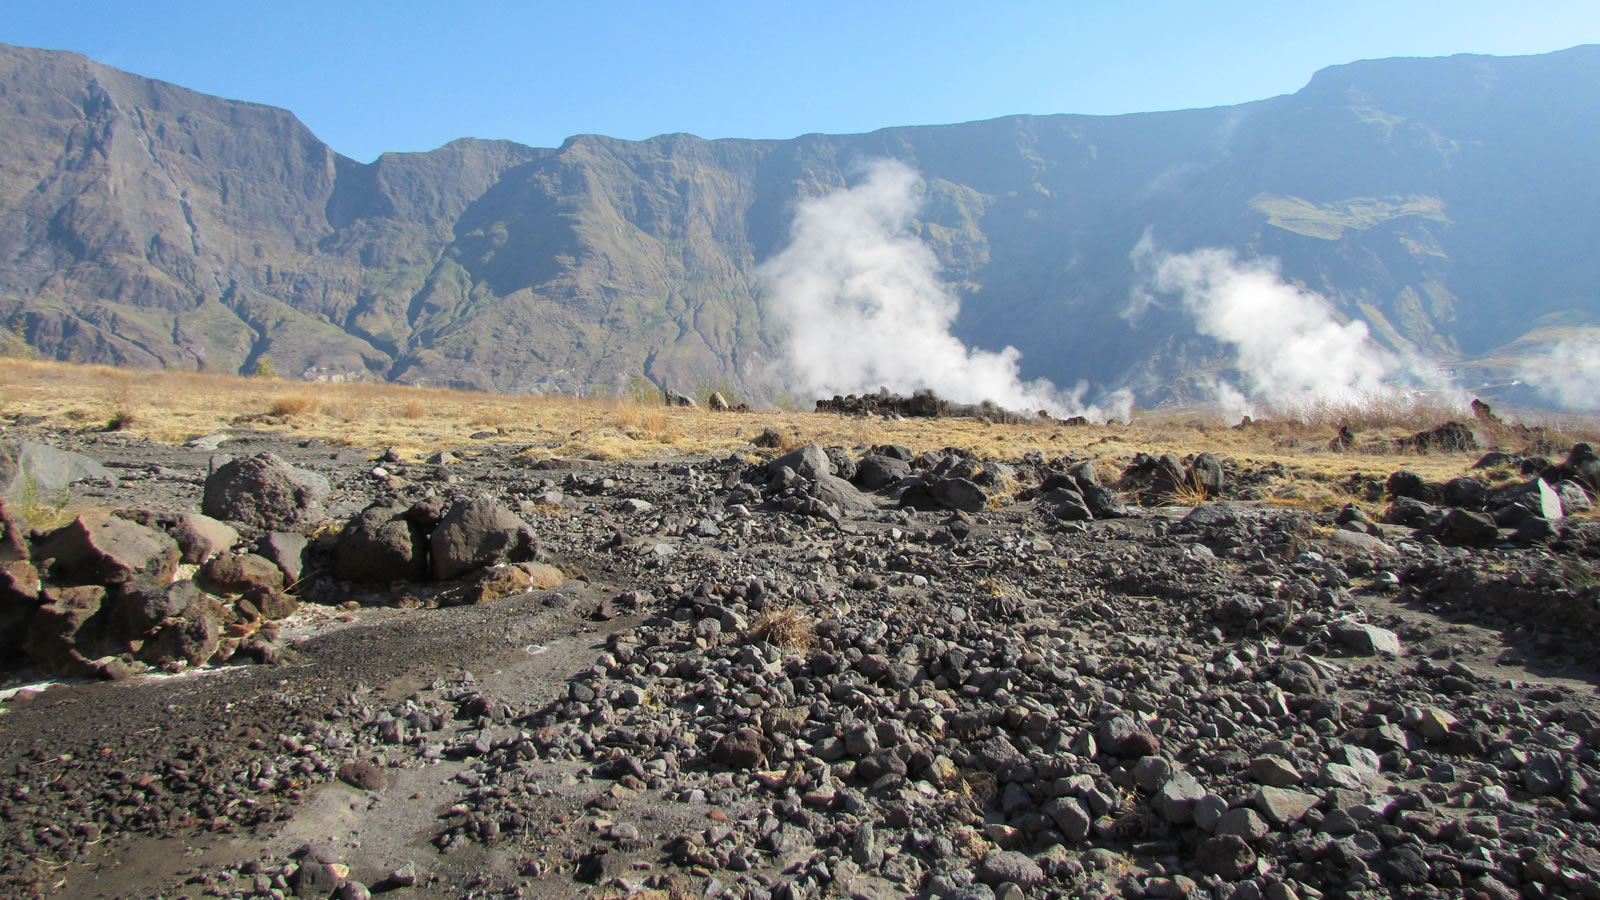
491,417
788,628
124,405
413,409
790,439
301,404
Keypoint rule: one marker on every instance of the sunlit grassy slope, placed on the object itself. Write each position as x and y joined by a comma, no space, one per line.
173,407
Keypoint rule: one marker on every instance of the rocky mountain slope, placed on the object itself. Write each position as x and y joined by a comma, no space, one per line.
1447,202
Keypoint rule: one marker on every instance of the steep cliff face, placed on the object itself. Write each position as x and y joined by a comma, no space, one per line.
148,225
1450,203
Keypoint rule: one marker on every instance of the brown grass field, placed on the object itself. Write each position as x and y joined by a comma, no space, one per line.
173,407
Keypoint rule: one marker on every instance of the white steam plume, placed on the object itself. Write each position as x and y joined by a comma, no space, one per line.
864,307
1290,349
1568,372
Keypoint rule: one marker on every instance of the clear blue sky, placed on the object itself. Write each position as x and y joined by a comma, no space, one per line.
374,76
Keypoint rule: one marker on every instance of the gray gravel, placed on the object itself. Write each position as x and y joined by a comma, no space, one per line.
776,684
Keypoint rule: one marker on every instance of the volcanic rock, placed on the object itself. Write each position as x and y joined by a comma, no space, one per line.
1367,640
1103,502
380,545
874,472
1226,856
241,573
201,537
98,548
1471,528
476,533
146,602
286,549
958,494
32,467
265,492
1206,473
54,629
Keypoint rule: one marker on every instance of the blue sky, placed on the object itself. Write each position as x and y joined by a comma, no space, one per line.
374,76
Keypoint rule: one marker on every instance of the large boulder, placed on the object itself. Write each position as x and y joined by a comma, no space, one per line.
99,548
1409,484
1208,517
144,603
28,467
1069,505
1167,478
1084,475
379,545
1514,504
1104,502
1154,479
13,536
837,492
61,629
263,491
199,537
1206,474
191,639
1410,512
287,549
874,471
841,462
202,537
1583,464
241,573
1573,497
810,461
1467,527
476,533
1451,437
19,598
958,494
1466,492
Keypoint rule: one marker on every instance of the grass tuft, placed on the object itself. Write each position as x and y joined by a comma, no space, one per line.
1189,492
788,628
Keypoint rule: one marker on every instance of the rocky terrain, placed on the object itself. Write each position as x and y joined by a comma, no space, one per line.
292,669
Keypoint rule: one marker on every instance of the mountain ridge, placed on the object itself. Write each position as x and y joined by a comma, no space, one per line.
146,224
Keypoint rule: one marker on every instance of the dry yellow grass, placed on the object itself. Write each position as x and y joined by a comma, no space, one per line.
175,406
291,405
